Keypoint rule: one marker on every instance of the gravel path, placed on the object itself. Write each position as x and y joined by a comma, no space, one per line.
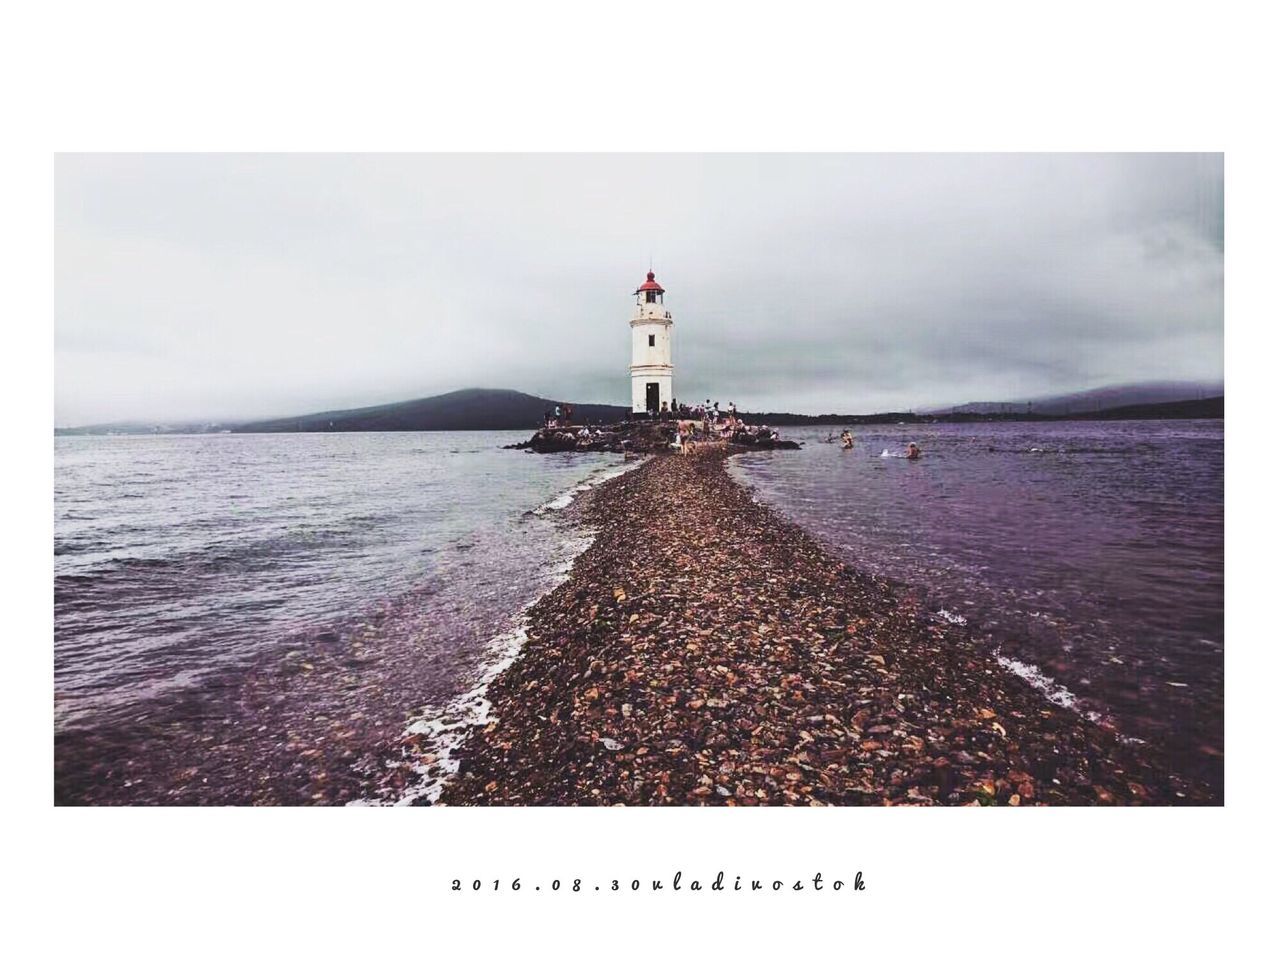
706,651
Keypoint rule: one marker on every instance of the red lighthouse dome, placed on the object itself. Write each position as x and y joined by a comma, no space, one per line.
650,284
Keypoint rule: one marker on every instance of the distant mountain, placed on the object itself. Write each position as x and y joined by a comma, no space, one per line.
1210,408
478,409
473,409
1095,401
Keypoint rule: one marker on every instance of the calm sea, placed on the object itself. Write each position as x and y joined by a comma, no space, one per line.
257,618
1090,554
195,575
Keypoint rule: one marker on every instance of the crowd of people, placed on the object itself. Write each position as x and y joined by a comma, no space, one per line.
560,416
706,421
707,411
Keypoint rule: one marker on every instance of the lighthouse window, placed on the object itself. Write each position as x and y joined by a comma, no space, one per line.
651,339
650,296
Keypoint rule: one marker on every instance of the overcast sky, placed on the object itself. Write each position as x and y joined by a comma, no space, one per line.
223,286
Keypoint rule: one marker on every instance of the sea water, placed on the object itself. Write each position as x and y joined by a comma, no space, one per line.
224,602
1089,555
194,575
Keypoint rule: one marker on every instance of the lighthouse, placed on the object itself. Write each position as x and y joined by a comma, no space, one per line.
650,350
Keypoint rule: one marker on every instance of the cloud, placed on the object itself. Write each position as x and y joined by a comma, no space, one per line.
229,286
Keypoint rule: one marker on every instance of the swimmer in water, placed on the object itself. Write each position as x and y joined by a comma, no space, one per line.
913,451
846,440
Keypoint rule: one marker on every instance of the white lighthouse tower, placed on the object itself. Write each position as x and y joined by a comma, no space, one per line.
650,350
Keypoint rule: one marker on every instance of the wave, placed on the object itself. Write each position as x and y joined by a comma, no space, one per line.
1053,691
446,728
563,500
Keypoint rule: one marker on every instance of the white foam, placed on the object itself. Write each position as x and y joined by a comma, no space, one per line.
560,502
949,617
1053,691
602,476
446,728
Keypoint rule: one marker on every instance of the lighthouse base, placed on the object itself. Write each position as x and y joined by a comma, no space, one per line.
649,391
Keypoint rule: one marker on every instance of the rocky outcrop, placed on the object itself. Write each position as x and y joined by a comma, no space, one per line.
636,436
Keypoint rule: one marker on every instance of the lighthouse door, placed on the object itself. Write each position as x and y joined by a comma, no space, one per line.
651,401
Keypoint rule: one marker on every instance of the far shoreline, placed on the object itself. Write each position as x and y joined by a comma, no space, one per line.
1210,408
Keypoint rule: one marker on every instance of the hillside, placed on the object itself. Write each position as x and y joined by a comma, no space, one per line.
1210,408
1094,401
474,409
